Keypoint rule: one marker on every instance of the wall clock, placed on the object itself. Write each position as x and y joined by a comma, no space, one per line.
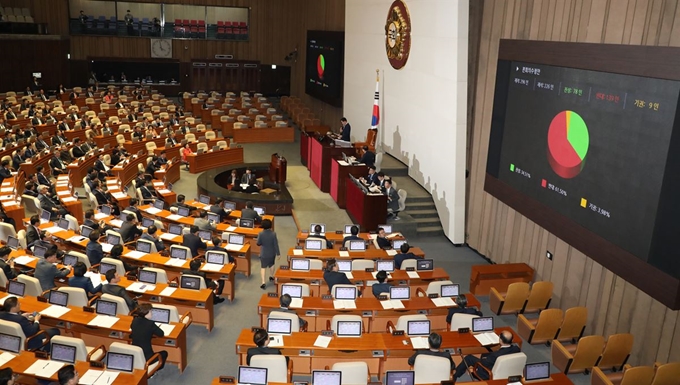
398,34
161,48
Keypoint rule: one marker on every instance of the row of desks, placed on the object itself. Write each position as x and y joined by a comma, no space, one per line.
555,379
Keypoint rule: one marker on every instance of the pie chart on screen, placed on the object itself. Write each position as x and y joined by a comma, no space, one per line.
320,66
568,142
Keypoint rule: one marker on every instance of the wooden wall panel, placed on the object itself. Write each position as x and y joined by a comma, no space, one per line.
495,230
52,12
45,56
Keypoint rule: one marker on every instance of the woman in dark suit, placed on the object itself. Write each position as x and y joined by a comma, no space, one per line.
268,252
143,330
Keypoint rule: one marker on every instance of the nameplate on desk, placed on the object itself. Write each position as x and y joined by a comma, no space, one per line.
397,332
339,232
298,247
463,330
343,249
369,269
326,296
327,333
410,269
42,299
96,364
305,231
285,267
41,354
433,295
514,378
447,382
255,329
272,295
382,297
226,380
88,309
173,284
378,353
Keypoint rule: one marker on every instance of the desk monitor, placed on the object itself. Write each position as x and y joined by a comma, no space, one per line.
252,375
214,218
204,199
183,211
482,324
216,257
357,245
148,276
279,326
190,282
450,290
104,267
396,244
425,265
259,210
246,223
349,329
120,361
146,222
313,244
418,328
45,216
10,343
63,353
176,252
160,315
387,228
386,265
158,204
229,206
348,228
59,298
294,291
344,265
400,292
175,229
205,235
85,231
63,223
105,307
112,239
39,251
537,371
70,260
16,288
237,239
313,225
105,209
400,377
326,377
143,247
343,292
123,217
13,242
300,264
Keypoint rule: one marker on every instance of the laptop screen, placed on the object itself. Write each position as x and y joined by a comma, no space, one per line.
400,292
45,215
387,228
12,242
146,222
302,264
425,265
176,252
63,353
214,218
63,223
344,266
143,247
259,210
58,298
188,282
237,239
252,375
85,231
16,288
386,265
349,328
106,307
348,228
119,361
345,292
175,229
418,328
313,244
246,223
537,371
451,290
10,343
148,276
357,246
326,377
113,239
279,326
295,291
104,267
313,225
216,257
105,209
205,235
159,204
396,244
160,315
183,211
229,205
482,324
204,199
400,377
70,260
39,251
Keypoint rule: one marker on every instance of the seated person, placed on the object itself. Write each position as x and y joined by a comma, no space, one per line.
30,325
185,152
94,250
80,280
92,223
148,192
47,203
217,246
249,213
382,240
317,234
180,202
218,208
133,207
129,230
152,236
461,301
67,375
404,255
261,339
368,158
195,269
487,359
193,241
333,277
7,266
113,288
353,237
202,222
435,341
285,301
116,252
46,269
381,286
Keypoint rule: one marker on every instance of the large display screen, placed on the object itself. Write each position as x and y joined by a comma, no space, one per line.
325,66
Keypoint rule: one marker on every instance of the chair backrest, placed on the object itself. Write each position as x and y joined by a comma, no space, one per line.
295,320
462,320
76,296
21,234
122,307
150,146
509,365
539,297
277,367
209,135
315,264
378,161
517,294
431,369
638,375
139,362
574,323
344,317
3,279
79,344
120,267
72,222
13,329
667,374
32,204
152,246
190,137
409,263
33,288
81,257
402,321
161,275
222,144
354,373
434,287
588,351
6,230
174,313
363,264
548,324
616,351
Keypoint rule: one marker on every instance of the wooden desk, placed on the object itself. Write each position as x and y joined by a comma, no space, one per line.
78,169
169,173
335,253
67,199
321,156
264,135
128,171
555,379
368,211
208,160
484,277
103,140
339,180
12,203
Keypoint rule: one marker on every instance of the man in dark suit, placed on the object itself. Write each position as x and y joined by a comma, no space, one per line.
171,141
151,235
40,143
392,199
404,255
129,230
381,286
65,155
261,339
30,189
133,207
248,177
78,151
217,246
7,267
488,359
372,178
193,242
58,167
333,277
218,208
152,166
368,158
102,168
345,134
37,120
42,178
10,115
148,192
33,233
284,302
99,194
30,325
73,116
353,237
46,203
113,288
249,213
5,172
461,301
435,342
382,240
317,234
194,269
58,139
18,158
94,250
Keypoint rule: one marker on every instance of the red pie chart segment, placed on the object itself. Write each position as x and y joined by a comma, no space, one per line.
568,141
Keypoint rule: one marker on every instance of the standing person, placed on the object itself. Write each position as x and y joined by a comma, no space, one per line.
269,251
346,130
129,20
143,329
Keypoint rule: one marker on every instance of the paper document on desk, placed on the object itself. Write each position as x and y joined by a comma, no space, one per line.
343,163
96,278
391,253
343,253
174,217
168,236
53,229
298,252
7,189
489,338
175,262
164,191
24,260
443,302
44,368
372,236
231,229
100,216
106,247
167,292
419,343
349,275
76,239
234,247
211,267
322,341
392,235
116,222
104,321
135,254
412,274
153,210
62,193
106,378
141,287
392,304
119,195
275,341
166,328
5,358
344,304
55,311
296,303
89,377
68,199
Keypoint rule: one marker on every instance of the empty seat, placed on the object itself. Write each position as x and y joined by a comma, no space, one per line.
431,369
639,375
616,351
667,374
541,330
577,358
511,302
279,368
539,297
574,324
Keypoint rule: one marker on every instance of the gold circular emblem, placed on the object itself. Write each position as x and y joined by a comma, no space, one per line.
398,34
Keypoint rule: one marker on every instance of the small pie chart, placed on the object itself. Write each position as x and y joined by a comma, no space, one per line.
320,66
568,142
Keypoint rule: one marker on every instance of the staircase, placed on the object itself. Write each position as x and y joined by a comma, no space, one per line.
423,211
